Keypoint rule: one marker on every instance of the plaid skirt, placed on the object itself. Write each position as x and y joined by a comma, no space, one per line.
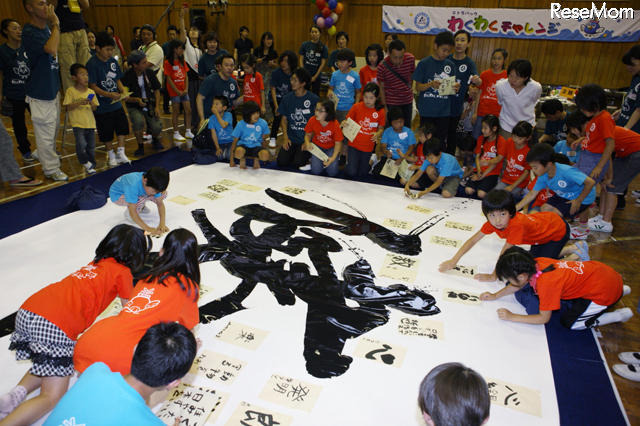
49,348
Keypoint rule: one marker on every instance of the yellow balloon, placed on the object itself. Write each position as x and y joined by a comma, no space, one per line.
332,30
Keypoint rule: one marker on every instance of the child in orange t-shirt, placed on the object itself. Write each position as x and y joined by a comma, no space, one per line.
516,169
323,130
169,293
486,101
253,88
48,323
370,116
589,287
489,155
546,232
369,73
175,70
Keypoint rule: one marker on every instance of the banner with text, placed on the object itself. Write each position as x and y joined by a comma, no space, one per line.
555,23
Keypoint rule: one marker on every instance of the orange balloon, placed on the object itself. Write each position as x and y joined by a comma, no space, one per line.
339,8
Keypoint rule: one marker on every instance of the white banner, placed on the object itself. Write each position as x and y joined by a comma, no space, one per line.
598,23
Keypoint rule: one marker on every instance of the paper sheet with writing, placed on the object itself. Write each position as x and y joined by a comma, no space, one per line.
123,96
446,86
242,335
350,129
463,271
250,188
515,397
390,169
458,225
444,241
382,352
421,327
291,392
460,296
192,404
210,195
247,414
179,199
216,367
317,152
397,223
420,209
400,267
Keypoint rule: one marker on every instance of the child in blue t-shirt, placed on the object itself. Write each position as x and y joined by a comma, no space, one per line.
397,142
564,147
573,190
135,189
220,124
250,137
442,169
344,84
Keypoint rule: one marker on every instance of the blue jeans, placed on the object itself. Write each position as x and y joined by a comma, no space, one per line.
85,145
317,166
477,128
357,163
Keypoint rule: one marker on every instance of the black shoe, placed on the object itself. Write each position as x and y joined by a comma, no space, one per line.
622,202
139,152
157,145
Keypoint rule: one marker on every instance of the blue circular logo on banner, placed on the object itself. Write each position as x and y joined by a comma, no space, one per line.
421,21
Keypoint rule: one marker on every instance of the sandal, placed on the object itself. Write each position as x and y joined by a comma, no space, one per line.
27,182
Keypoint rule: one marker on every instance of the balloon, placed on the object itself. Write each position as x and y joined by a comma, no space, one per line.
334,16
332,4
328,22
315,18
339,8
326,12
332,30
321,4
320,22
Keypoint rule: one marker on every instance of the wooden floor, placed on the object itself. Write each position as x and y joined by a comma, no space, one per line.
621,250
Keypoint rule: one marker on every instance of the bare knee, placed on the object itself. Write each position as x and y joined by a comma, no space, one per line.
446,194
240,152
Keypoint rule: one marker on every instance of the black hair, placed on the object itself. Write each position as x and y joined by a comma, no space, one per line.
223,99
171,50
110,27
523,69
243,28
375,47
561,158
267,35
465,32
164,354
633,53
346,55
329,107
393,36
396,45
523,129
591,98
172,27
491,121
515,261
248,109
452,394
157,178
445,38
248,59
576,119
504,52
498,200
210,36
148,27
465,142
542,153
342,34
551,106
103,40
179,258
314,26
5,24
126,244
432,147
395,113
303,76
73,70
224,56
375,89
135,30
425,129
292,59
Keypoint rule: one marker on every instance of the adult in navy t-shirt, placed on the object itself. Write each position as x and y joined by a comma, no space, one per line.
44,82
281,82
214,85
297,110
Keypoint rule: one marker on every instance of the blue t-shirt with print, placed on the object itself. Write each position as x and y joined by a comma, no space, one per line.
561,147
568,183
214,85
105,75
102,397
15,72
280,81
430,103
251,135
344,87
401,140
130,185
630,104
224,134
44,82
446,166
464,69
312,55
298,110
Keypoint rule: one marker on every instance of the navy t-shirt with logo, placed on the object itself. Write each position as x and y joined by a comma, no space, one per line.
630,104
312,55
464,69
214,85
15,72
44,82
280,81
298,110
430,102
105,75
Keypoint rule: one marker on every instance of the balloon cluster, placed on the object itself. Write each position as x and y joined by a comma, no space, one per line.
330,11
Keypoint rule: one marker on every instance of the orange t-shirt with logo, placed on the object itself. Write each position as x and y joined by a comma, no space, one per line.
367,75
324,136
590,280
74,303
178,73
515,163
600,128
370,121
489,151
533,229
627,142
253,87
488,103
113,339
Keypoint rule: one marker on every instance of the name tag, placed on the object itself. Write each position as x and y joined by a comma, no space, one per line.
176,68
374,80
490,154
350,79
306,111
250,126
373,125
318,54
403,135
111,74
518,167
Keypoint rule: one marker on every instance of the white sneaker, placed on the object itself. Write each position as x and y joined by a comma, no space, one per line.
88,167
626,290
188,134
601,226
34,155
629,357
147,136
58,176
633,193
595,218
305,168
628,371
121,157
579,233
112,158
272,143
178,137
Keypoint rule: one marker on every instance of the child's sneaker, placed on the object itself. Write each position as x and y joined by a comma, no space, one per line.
595,218
579,232
625,291
58,176
112,158
272,143
601,226
629,357
305,168
188,134
635,194
147,136
121,157
178,137
88,167
628,371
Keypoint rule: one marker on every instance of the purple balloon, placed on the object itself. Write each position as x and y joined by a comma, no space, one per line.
328,22
332,4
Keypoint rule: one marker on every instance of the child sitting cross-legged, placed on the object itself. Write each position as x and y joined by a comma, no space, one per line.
221,127
250,137
443,172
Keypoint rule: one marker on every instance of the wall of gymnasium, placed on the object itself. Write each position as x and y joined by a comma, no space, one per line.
554,62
